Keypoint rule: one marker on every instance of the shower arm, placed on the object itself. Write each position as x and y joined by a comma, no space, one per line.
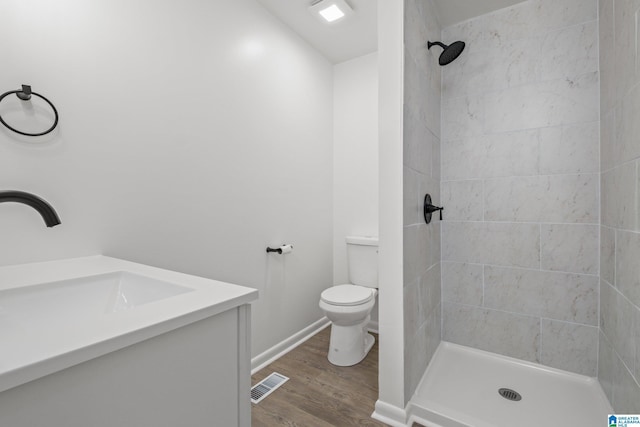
442,45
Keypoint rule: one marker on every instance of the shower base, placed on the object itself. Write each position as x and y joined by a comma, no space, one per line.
460,389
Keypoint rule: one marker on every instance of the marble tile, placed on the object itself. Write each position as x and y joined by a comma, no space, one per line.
425,247
572,51
516,245
627,128
514,199
552,14
412,208
618,197
617,382
486,156
606,366
625,45
549,103
418,143
461,158
516,22
570,248
462,283
627,392
428,246
421,100
421,25
570,346
607,140
415,32
617,322
636,338
607,55
436,159
576,150
495,331
412,313
479,70
523,20
607,254
556,198
512,153
558,296
430,293
432,331
415,87
412,264
462,200
422,158
433,109
433,30
463,117
420,349
628,265
571,198
415,350
436,242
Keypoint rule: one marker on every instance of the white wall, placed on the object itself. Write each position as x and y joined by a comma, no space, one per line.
390,404
193,134
355,156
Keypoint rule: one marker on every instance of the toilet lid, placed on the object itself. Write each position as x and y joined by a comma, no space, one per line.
347,295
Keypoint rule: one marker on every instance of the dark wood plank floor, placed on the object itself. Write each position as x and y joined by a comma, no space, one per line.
319,393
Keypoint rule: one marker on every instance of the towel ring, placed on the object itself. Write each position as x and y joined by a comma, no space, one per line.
25,95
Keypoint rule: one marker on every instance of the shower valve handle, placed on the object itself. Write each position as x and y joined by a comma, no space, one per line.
429,208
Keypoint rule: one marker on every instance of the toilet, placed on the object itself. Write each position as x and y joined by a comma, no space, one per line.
348,306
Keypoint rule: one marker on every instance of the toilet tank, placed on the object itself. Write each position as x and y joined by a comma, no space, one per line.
362,257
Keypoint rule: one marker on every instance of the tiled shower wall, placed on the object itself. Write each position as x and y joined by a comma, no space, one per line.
619,361
422,290
520,184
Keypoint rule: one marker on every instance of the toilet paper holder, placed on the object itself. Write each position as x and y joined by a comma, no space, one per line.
284,249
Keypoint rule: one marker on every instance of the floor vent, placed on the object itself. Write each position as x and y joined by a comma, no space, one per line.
267,386
509,394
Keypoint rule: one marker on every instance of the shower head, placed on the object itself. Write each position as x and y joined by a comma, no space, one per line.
450,53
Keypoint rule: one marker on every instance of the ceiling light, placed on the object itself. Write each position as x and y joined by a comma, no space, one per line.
331,11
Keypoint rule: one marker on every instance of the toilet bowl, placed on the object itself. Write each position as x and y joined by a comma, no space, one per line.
349,306
349,312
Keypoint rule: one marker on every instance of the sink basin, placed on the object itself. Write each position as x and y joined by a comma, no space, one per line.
57,314
85,297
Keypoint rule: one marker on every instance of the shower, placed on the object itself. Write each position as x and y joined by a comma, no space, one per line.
450,52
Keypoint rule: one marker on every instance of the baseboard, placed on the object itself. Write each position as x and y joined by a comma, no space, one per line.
389,414
288,344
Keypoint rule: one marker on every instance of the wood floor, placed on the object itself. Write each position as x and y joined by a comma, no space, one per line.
319,393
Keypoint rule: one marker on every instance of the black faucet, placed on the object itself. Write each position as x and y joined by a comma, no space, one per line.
48,213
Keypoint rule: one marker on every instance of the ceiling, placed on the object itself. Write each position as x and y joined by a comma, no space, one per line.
358,35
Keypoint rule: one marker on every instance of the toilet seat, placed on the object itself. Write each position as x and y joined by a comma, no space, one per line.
347,295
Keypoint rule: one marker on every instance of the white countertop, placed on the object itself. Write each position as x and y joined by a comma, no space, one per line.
34,350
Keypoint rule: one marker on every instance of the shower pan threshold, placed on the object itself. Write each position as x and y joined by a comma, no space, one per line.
460,389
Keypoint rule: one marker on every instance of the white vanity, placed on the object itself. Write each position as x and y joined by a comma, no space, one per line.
102,342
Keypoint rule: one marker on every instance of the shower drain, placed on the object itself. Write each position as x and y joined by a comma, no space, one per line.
509,394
